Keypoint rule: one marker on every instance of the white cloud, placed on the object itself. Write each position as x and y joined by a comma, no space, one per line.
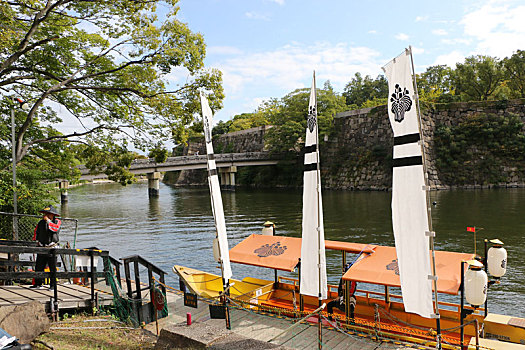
257,16
456,41
287,67
439,32
421,18
250,78
402,37
497,26
418,50
279,2
372,31
450,59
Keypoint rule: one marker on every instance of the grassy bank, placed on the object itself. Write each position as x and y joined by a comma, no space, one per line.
82,332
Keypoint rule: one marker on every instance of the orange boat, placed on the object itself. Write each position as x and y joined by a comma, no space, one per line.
376,311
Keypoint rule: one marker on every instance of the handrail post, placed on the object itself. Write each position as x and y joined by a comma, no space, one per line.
128,278
53,281
92,262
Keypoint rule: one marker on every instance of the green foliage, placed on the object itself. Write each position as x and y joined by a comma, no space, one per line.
515,73
359,92
221,128
159,154
478,78
288,116
32,193
478,149
105,64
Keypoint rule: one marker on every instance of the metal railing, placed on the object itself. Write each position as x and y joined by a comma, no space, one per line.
16,269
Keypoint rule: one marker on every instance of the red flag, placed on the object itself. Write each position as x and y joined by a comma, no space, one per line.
471,229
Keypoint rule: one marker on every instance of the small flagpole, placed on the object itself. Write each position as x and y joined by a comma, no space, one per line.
429,216
474,240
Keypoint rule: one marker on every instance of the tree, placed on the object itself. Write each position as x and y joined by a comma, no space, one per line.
478,78
515,73
361,90
104,65
288,116
436,84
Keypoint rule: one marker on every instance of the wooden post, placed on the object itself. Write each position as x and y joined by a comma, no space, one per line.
92,263
53,281
137,279
127,273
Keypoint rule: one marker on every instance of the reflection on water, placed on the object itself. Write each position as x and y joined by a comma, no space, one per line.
177,227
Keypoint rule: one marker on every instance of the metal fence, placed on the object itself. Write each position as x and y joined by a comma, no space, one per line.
22,227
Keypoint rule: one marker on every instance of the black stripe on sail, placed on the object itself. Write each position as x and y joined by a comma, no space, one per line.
211,156
310,167
310,149
403,140
408,161
212,172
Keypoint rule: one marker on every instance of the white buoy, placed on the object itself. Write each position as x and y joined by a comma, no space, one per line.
268,229
497,259
476,283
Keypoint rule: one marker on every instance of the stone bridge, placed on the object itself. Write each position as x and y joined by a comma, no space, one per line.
227,164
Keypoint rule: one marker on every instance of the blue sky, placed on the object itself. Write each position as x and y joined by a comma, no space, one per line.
267,48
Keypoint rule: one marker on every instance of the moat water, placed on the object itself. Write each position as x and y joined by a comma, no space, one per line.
178,227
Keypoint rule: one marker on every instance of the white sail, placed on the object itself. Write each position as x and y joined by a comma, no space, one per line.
313,261
409,204
215,192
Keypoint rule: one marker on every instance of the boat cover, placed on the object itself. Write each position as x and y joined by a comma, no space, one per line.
283,253
381,268
276,252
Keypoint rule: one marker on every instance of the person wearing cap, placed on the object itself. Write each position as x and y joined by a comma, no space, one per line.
46,235
339,302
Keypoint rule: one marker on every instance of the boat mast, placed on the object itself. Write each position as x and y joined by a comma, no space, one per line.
212,171
318,189
431,232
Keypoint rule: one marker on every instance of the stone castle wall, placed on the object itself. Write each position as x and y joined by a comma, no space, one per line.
358,153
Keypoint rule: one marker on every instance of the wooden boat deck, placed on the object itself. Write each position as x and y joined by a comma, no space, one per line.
70,296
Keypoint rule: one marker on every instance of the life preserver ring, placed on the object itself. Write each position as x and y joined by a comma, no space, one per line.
158,299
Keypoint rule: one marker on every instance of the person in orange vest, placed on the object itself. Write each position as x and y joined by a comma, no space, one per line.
46,234
339,302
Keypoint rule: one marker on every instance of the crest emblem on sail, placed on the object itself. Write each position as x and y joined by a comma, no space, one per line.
268,250
311,122
207,130
401,103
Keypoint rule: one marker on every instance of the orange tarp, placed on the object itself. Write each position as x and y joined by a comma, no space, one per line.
381,268
349,247
282,253
276,252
